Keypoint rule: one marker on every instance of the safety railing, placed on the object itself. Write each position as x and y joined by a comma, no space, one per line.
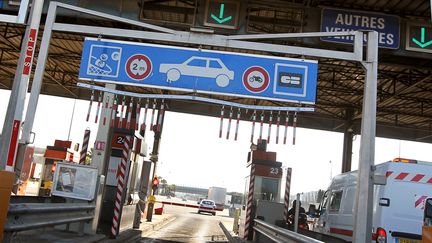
277,234
28,216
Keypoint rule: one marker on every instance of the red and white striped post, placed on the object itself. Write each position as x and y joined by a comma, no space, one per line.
113,111
277,127
137,114
253,126
229,123
129,115
237,124
122,111
90,106
269,128
249,205
153,115
287,193
161,114
106,108
84,146
98,107
121,181
143,124
261,127
286,127
221,121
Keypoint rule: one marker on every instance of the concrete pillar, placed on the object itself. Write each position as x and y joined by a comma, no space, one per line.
347,143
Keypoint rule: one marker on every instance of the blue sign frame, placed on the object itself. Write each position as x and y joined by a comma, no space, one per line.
338,20
199,70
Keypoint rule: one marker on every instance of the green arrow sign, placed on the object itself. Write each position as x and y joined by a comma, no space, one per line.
221,19
422,43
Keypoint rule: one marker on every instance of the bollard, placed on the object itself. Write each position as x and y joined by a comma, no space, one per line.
152,200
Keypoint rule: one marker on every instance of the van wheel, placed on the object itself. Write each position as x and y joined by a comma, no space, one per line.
199,212
214,214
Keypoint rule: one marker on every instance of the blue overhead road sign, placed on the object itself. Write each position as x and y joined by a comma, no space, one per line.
204,71
387,26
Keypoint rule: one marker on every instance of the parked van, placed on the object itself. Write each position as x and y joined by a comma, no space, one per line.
397,206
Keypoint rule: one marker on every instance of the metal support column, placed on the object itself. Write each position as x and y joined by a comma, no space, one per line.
14,114
347,143
364,200
99,158
154,157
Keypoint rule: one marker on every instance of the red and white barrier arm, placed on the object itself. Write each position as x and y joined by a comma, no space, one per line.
90,106
221,121
152,115
261,126
277,127
253,126
229,122
98,107
269,128
120,186
161,113
113,111
137,114
237,124
286,127
129,114
294,128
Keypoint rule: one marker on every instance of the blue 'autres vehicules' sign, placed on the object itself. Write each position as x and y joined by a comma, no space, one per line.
198,70
387,26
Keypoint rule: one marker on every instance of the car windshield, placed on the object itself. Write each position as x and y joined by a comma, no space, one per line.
207,203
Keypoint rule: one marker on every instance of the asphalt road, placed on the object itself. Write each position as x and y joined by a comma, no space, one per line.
191,227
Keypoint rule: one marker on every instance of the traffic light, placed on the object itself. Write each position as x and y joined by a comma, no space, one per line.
155,184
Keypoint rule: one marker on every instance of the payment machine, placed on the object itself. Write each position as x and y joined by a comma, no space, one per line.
263,189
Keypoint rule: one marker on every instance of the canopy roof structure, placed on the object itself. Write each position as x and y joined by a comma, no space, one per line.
404,108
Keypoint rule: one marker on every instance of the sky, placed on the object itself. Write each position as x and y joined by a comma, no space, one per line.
192,153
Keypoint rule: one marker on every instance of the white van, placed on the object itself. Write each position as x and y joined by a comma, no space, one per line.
397,206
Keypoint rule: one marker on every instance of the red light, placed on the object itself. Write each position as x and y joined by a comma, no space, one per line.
155,181
381,235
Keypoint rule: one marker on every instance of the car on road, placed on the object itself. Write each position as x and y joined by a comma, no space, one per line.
205,67
207,206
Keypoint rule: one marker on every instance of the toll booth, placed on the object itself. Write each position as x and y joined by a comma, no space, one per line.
137,170
60,152
263,188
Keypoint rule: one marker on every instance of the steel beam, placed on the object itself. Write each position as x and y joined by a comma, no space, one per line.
364,193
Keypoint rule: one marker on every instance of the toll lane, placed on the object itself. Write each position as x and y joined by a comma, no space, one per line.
190,227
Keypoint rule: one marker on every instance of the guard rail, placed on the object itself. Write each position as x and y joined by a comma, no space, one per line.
28,216
277,234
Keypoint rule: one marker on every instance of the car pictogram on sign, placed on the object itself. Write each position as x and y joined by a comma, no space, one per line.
199,67
256,79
